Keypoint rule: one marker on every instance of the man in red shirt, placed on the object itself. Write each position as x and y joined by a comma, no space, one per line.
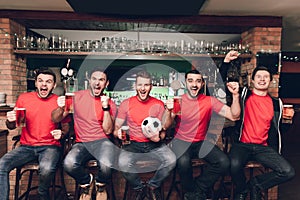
37,142
94,115
191,133
150,145
259,139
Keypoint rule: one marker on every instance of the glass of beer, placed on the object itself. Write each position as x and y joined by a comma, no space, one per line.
20,117
288,113
69,107
177,105
125,135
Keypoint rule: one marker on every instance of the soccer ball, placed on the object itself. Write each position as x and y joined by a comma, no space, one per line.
151,125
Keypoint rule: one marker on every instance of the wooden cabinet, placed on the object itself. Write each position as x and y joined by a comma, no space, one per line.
3,142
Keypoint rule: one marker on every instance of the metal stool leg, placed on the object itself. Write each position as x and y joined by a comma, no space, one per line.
17,186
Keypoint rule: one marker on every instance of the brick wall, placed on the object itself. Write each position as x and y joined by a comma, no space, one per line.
261,39
12,75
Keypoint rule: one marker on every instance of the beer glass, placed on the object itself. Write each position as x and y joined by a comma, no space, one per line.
177,105
125,135
20,117
69,106
288,113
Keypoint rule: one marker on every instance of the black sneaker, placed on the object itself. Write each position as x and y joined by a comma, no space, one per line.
154,193
139,194
191,196
241,196
200,194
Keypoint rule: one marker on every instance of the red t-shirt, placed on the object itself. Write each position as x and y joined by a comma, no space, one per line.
192,124
38,119
257,120
88,116
134,112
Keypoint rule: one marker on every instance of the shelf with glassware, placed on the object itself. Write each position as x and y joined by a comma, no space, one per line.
129,47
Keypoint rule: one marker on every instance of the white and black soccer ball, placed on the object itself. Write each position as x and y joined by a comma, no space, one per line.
151,125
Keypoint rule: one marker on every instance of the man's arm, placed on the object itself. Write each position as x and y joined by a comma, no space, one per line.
168,116
233,112
108,122
11,120
59,113
117,129
108,119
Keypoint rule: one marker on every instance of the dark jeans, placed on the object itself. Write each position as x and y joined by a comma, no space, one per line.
241,153
217,161
47,156
81,153
136,151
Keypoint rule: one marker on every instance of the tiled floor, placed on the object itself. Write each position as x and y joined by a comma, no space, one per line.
291,151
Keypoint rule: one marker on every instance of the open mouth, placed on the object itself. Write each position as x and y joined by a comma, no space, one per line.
262,83
97,91
44,91
194,91
143,94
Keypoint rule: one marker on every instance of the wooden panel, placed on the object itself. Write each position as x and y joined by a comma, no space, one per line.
290,67
3,142
193,23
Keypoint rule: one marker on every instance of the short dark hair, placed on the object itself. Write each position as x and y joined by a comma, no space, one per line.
261,68
45,71
193,71
98,69
144,74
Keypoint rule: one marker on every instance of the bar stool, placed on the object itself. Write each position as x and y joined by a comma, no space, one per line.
175,181
251,166
92,167
150,167
31,168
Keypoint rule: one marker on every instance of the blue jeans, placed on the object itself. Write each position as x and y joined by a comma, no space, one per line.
217,163
48,158
81,153
136,151
241,153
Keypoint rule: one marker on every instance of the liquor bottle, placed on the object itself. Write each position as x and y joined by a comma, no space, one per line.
86,82
161,81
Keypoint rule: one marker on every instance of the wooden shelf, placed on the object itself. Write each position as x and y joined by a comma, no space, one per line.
123,56
291,100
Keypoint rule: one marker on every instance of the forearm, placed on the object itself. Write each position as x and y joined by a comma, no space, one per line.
108,123
223,70
167,119
58,114
235,107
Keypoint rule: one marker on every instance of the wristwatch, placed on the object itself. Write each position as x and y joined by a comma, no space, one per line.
107,108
